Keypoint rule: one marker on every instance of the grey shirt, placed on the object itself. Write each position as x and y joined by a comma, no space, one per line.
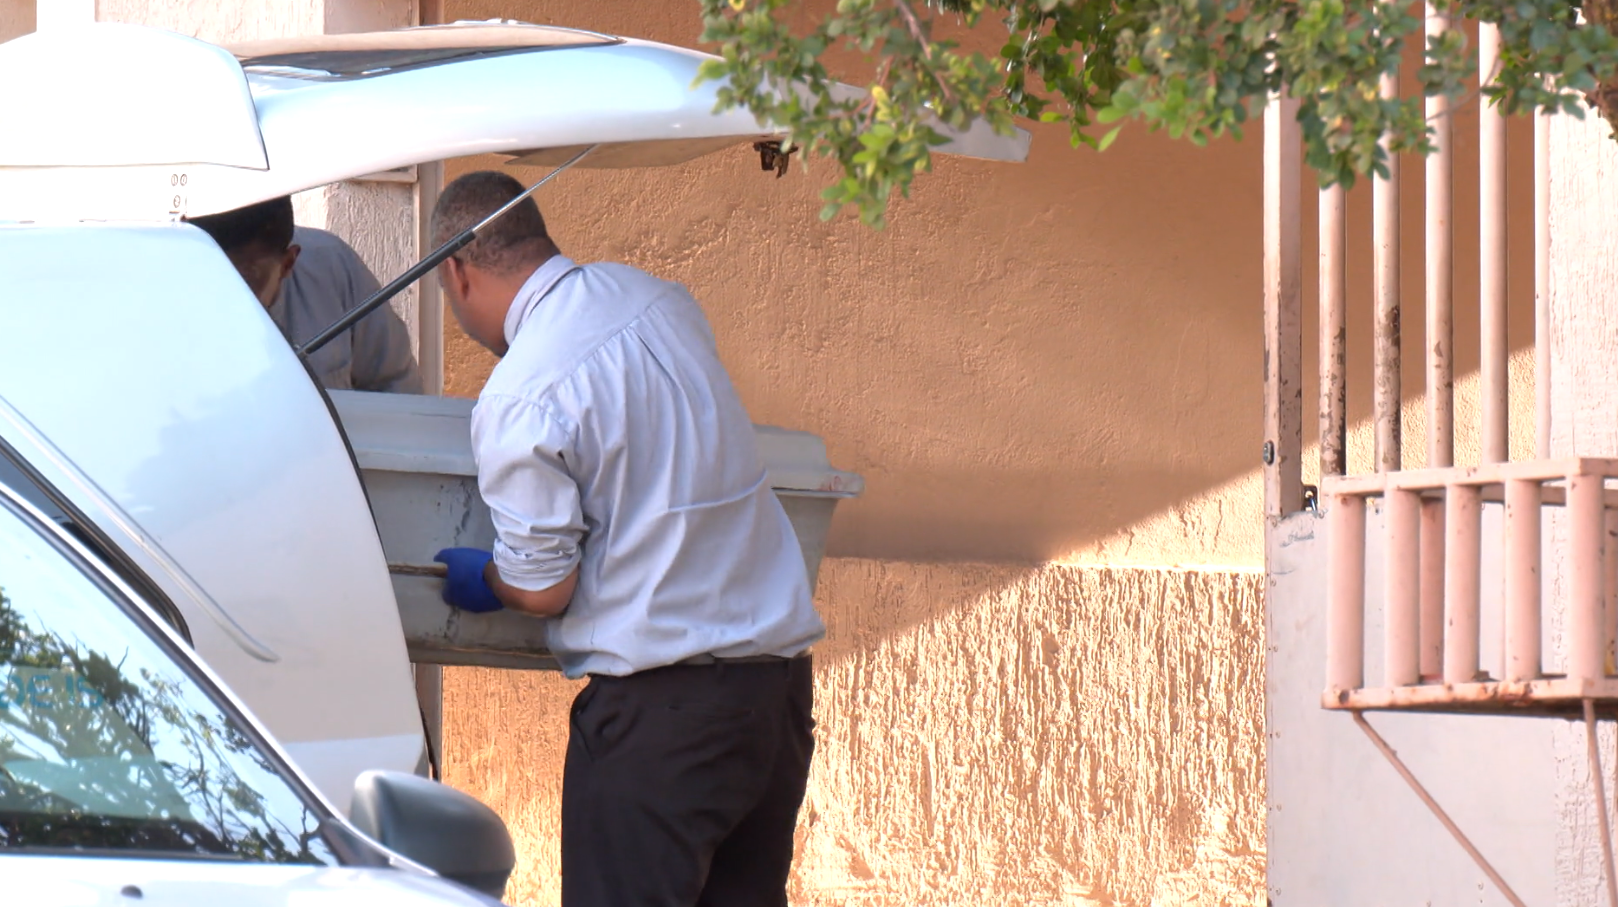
328,280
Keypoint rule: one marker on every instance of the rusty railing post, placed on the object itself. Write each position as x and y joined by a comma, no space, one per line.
1440,241
1388,388
1333,274
1283,310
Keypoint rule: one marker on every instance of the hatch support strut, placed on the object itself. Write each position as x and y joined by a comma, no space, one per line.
418,270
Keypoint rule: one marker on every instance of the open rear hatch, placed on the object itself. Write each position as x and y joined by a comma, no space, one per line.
194,134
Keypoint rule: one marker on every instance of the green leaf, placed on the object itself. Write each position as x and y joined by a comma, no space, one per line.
1107,140
1110,115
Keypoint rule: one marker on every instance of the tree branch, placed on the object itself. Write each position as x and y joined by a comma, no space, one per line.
914,26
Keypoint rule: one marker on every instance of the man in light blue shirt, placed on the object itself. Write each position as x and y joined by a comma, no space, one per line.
631,508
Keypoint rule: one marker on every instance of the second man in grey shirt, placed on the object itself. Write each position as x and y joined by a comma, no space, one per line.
306,279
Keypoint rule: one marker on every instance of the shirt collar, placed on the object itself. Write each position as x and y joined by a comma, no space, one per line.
533,290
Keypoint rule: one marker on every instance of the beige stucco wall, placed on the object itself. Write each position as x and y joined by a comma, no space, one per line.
1047,374
1043,679
1029,363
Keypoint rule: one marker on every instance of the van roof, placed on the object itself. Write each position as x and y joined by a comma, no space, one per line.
369,54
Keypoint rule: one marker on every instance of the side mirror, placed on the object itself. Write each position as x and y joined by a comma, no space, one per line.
439,827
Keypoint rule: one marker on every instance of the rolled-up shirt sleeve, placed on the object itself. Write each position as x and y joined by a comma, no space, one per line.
522,452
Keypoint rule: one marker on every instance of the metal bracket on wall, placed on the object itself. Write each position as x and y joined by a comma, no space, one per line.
771,157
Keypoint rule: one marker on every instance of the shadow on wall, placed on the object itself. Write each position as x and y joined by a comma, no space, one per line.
1032,359
1019,366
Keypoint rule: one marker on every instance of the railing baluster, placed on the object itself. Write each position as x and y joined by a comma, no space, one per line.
1402,623
1345,594
1333,332
1542,285
1440,241
1492,257
1432,589
1388,386
1522,655
1587,592
1609,615
1462,553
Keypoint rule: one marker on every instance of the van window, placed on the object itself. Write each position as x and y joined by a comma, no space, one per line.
108,746
31,488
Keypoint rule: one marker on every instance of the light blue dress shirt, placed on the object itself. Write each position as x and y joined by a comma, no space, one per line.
609,438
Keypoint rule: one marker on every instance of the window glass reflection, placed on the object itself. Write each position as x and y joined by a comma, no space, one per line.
106,744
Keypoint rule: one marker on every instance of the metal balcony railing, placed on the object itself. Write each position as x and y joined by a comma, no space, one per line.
1556,527
1433,551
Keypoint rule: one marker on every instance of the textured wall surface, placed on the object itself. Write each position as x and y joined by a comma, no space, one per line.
221,23
988,734
1044,371
1584,422
1028,364
1026,370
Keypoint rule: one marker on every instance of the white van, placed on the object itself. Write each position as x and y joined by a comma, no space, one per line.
117,745
141,379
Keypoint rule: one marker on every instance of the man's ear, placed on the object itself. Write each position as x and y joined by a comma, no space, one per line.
455,278
290,258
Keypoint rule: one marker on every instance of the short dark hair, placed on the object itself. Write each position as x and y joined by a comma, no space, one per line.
516,240
265,227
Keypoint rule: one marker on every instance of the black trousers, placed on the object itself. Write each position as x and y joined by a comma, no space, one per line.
683,783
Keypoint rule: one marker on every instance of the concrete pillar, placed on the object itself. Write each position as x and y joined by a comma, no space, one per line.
16,18
1584,281
1584,422
378,216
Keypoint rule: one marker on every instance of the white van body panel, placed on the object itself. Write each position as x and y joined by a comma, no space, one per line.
139,358
105,882
105,75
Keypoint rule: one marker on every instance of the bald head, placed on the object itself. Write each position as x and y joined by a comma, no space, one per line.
517,243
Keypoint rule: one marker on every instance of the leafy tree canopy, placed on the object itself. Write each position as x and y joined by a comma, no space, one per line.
1197,69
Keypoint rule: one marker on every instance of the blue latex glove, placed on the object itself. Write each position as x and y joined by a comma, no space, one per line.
465,587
